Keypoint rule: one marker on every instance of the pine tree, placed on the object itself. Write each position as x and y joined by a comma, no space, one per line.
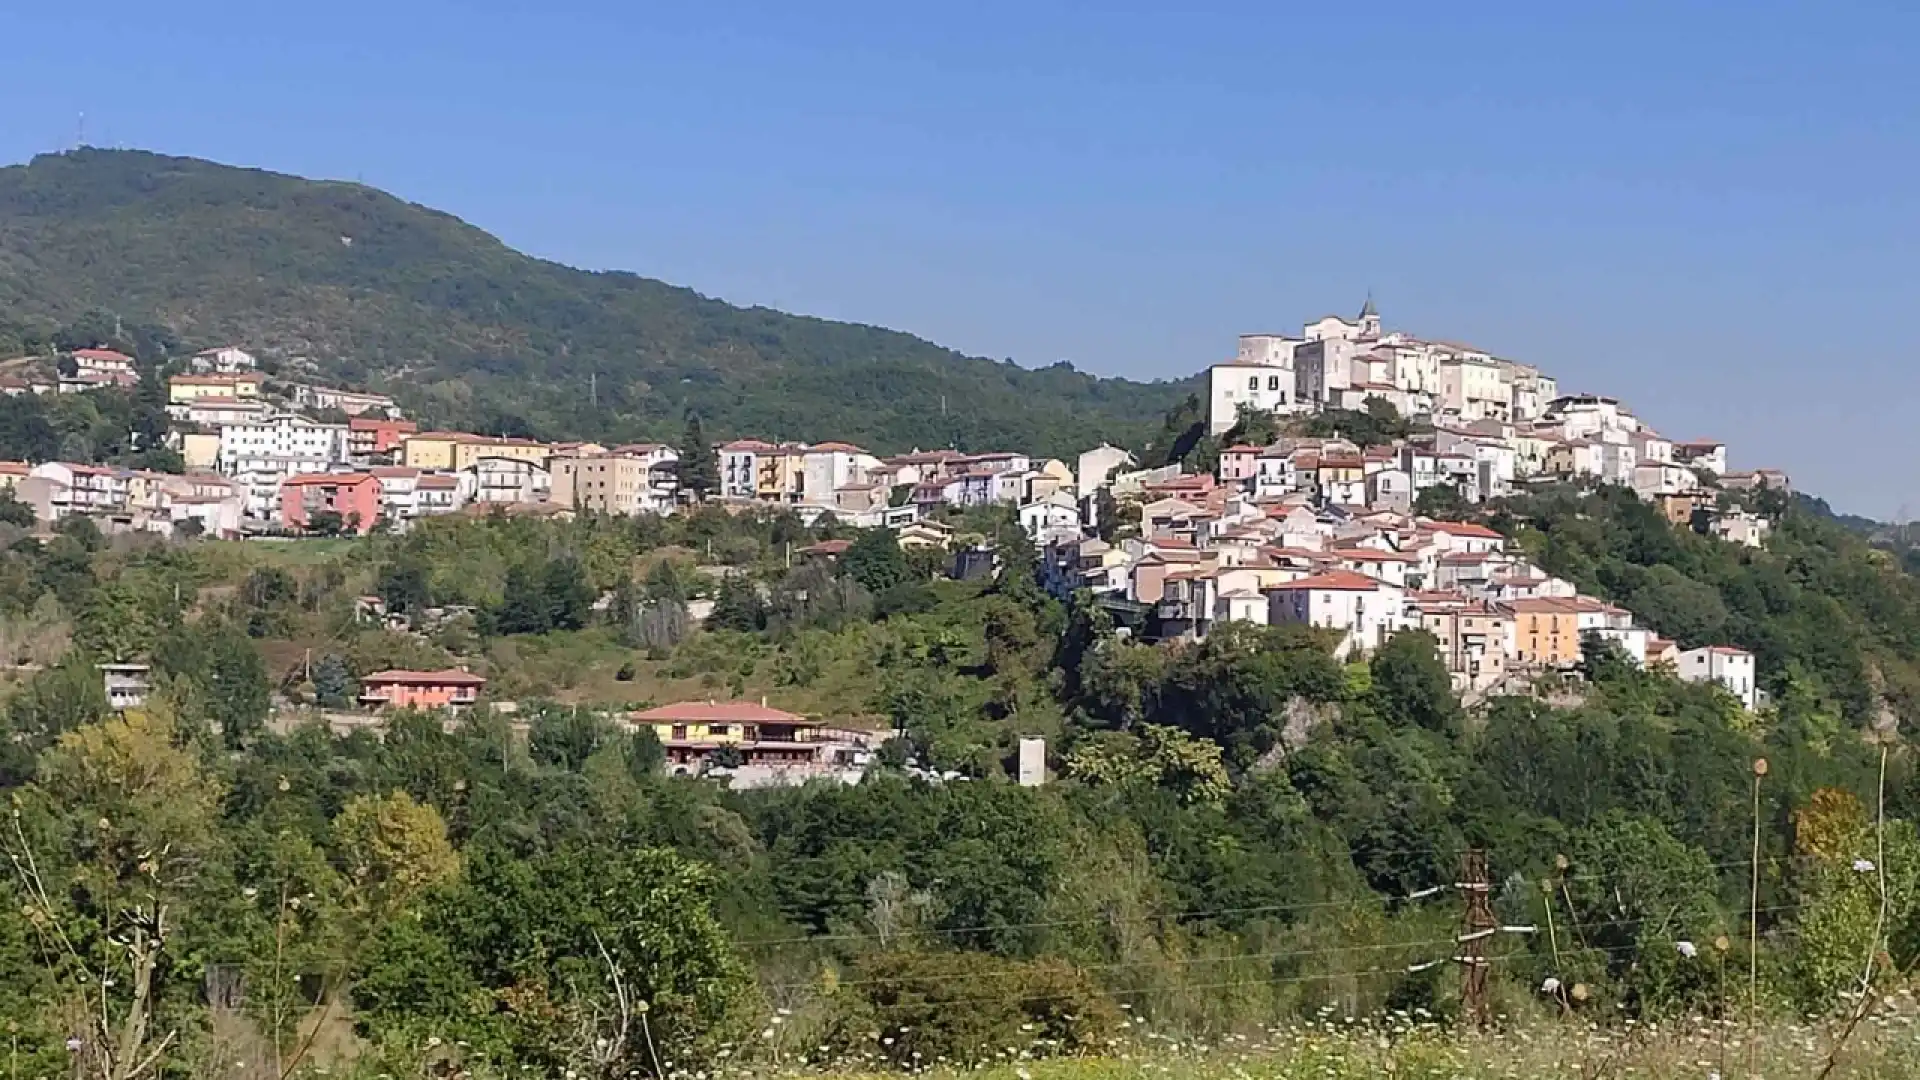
699,465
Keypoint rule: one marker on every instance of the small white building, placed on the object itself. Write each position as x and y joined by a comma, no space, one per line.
226,360
1730,667
1052,520
1097,466
1742,528
1366,611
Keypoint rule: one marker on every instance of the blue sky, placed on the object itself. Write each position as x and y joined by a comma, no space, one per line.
1707,209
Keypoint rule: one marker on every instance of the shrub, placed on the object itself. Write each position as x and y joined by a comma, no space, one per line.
967,1007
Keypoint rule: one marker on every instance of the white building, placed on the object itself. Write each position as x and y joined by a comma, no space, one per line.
1097,466
226,360
827,467
1707,454
1364,610
1731,668
1742,528
1474,386
740,467
505,480
284,435
351,402
1052,520
218,411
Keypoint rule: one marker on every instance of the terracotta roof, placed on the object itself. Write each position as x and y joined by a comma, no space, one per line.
827,547
438,481
328,479
449,677
1464,528
1371,555
837,447
1334,580
755,445
103,354
394,472
216,380
368,423
707,712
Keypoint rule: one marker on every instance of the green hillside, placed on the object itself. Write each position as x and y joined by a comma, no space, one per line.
395,296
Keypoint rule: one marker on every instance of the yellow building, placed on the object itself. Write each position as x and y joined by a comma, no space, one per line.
603,483
472,448
185,389
1546,631
200,451
693,731
431,449
781,474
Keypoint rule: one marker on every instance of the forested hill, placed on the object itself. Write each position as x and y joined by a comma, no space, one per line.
471,333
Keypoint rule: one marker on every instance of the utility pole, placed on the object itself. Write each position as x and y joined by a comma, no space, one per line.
1477,924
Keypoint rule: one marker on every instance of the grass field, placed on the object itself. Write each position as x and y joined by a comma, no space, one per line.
1885,1045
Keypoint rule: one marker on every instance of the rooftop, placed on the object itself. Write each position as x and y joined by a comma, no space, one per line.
724,712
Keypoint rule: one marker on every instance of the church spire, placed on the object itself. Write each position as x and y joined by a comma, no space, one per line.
1367,310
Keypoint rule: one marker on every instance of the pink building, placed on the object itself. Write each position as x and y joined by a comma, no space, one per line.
353,496
1238,463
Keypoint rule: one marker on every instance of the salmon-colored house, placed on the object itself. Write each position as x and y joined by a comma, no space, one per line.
450,689
354,496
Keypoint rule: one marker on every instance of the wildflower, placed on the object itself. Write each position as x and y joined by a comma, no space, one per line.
1552,985
1687,949
1863,866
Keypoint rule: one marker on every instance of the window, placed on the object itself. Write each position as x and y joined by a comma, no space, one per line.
1273,382
1253,382
718,729
680,731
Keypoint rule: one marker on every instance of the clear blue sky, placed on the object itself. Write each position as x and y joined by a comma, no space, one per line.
1708,209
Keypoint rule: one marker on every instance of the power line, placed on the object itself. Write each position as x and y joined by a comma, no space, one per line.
1176,916
972,976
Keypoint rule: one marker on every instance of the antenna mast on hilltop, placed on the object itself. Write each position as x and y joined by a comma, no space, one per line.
80,132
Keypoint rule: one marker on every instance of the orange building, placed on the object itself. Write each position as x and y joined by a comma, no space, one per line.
450,689
371,436
1546,631
353,496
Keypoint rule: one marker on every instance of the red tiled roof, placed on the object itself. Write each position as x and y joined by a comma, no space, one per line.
827,547
328,479
837,447
368,423
706,712
1463,528
103,354
1333,580
449,677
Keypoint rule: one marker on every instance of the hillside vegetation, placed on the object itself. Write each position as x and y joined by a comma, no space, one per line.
471,333
1240,840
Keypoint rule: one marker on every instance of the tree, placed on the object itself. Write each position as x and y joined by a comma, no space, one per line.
391,849
610,957
1441,502
333,685
118,827
569,600
326,523
565,737
699,466
523,604
1410,685
402,585
875,560
739,606
14,512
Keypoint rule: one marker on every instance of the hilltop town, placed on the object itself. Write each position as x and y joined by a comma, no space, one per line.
1355,527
